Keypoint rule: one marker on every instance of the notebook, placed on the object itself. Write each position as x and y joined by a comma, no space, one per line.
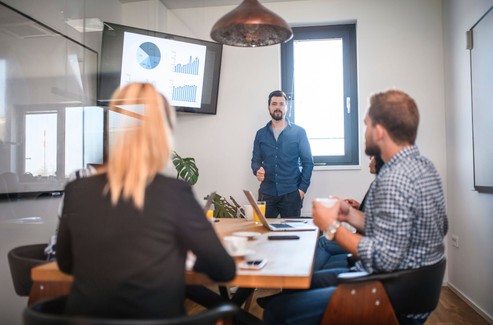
278,226
209,202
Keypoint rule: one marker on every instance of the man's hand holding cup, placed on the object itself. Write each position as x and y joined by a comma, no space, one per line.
325,211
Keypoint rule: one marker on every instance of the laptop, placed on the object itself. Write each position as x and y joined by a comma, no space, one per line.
209,201
278,226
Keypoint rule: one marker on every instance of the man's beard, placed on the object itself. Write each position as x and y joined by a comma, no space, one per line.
276,116
372,150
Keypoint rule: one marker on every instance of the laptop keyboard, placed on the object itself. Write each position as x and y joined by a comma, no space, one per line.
281,225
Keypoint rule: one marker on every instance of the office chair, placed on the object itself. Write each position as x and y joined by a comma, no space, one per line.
50,312
21,260
386,297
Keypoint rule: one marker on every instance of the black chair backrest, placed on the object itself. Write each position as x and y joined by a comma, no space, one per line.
50,312
414,291
21,260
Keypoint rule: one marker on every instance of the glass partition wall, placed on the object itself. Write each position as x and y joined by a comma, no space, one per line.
49,125
49,122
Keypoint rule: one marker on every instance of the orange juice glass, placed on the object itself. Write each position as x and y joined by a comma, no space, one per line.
210,213
261,205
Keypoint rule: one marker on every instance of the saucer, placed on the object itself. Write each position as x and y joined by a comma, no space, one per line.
248,234
243,253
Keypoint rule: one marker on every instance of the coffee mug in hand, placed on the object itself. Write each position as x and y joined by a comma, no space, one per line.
235,245
326,201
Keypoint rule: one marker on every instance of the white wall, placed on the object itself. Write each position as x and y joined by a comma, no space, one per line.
470,213
146,14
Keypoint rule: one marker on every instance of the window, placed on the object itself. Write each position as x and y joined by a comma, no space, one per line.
41,144
319,76
60,139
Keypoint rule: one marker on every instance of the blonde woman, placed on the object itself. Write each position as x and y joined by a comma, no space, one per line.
124,233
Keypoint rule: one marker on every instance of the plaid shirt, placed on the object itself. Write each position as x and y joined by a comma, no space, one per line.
405,218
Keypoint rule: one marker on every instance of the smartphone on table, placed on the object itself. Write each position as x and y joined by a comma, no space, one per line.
255,264
283,237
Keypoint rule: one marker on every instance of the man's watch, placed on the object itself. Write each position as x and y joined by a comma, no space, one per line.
331,230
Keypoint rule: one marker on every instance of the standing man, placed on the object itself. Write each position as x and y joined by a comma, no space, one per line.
404,221
282,161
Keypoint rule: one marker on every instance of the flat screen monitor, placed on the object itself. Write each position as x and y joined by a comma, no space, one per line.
185,70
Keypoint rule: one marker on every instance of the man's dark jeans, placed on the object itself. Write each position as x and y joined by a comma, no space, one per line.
287,205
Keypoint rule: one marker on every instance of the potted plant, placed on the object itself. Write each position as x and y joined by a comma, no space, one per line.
225,209
187,170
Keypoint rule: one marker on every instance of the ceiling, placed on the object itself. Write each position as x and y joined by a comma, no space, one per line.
181,4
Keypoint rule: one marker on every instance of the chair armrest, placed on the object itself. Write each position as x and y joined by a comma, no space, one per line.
410,274
358,277
349,277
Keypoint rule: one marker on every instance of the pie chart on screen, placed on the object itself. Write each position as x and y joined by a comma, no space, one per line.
148,55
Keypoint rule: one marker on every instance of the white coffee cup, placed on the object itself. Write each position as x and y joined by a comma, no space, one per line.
326,201
248,212
235,244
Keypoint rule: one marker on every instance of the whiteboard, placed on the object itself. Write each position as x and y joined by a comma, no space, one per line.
481,54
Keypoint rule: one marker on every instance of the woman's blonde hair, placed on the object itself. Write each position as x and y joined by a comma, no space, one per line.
142,151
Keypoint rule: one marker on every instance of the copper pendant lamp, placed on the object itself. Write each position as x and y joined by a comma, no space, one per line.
251,25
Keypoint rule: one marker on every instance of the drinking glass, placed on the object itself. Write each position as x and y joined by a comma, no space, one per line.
210,213
261,205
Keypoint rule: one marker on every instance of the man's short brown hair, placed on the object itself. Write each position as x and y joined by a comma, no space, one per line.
397,112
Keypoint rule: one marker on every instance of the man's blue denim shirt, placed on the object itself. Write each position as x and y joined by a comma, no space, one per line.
288,162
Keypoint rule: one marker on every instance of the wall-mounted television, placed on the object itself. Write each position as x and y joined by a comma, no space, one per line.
185,70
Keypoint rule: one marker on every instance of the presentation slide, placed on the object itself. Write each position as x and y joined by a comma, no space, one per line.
175,68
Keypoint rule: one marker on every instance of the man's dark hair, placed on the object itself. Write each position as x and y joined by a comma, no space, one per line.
397,112
277,93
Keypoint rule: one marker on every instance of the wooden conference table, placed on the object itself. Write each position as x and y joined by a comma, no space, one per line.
289,264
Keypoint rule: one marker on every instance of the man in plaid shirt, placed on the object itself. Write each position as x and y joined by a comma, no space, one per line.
404,221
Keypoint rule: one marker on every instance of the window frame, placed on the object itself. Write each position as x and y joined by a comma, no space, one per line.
346,32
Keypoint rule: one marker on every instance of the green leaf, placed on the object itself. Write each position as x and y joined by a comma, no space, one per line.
186,168
225,209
